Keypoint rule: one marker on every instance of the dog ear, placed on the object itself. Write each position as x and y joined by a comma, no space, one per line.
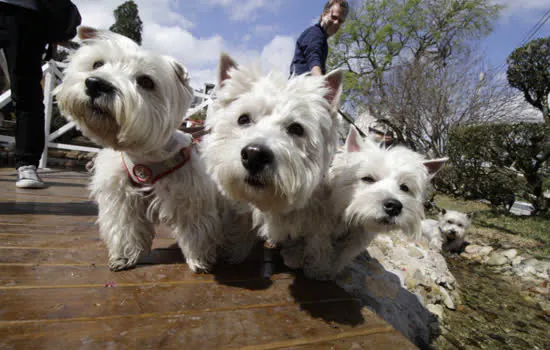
434,165
225,65
333,82
353,140
443,211
471,214
181,72
87,32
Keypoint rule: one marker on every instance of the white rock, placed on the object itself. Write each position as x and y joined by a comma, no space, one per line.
497,259
472,249
447,300
484,251
517,260
436,310
510,253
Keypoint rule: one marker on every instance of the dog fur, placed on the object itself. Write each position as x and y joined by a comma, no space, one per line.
271,143
448,233
376,190
135,111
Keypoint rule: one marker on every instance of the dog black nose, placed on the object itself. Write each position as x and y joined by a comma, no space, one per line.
255,157
392,207
96,87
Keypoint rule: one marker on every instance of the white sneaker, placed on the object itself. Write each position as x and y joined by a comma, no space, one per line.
28,178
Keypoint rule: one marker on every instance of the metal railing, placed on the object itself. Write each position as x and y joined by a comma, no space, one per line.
52,76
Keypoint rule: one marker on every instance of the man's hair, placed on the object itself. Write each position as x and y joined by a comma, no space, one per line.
343,5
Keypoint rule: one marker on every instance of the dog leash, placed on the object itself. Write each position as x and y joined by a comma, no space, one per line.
350,120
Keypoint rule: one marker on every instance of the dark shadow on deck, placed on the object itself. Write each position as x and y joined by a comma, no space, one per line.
86,208
381,291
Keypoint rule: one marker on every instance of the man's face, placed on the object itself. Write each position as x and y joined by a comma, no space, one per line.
332,19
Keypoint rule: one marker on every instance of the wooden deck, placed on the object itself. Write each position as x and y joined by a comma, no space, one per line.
56,291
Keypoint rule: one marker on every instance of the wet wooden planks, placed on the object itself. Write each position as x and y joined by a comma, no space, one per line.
56,290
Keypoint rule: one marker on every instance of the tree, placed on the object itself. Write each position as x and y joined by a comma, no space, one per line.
529,72
412,67
128,22
421,104
492,161
379,33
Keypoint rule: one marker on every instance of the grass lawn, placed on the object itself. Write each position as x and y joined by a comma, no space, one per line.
529,234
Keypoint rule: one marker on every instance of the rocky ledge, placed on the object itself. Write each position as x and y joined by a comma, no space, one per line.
406,283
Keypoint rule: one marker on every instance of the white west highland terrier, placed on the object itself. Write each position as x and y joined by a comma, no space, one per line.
271,143
131,102
449,232
376,190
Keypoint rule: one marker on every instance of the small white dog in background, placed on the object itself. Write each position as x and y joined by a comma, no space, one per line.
376,190
271,144
131,102
449,232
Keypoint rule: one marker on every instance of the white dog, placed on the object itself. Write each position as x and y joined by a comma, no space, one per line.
131,102
449,232
271,143
376,190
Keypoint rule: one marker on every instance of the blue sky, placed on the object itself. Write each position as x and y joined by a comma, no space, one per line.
196,32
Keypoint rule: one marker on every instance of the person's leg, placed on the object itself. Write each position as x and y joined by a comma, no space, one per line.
23,50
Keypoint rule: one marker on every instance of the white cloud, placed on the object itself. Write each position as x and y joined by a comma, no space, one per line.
278,53
166,32
181,44
99,13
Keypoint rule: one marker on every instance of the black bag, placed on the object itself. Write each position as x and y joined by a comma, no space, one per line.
60,18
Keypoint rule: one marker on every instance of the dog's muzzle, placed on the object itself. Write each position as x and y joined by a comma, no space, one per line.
256,157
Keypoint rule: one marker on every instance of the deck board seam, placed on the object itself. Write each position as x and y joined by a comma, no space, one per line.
170,314
321,339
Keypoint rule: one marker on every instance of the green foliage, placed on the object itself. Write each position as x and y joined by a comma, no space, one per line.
128,22
529,72
377,32
199,115
493,161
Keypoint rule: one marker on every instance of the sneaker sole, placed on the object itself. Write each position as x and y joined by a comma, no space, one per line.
30,184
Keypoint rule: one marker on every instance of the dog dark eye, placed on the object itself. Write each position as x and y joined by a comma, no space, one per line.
369,179
295,129
98,64
450,222
145,82
404,188
459,225
244,119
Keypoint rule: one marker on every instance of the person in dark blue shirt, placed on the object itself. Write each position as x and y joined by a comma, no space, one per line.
311,50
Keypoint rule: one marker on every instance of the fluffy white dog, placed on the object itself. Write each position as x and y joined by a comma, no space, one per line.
449,232
271,143
131,102
376,190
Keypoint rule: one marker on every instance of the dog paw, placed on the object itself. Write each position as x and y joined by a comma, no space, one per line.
120,264
198,266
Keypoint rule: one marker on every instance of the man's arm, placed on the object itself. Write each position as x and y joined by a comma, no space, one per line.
313,43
